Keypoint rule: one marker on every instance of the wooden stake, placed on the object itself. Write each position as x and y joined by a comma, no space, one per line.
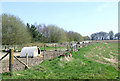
11,62
55,47
26,59
21,62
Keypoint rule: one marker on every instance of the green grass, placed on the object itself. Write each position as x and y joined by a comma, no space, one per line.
103,51
79,67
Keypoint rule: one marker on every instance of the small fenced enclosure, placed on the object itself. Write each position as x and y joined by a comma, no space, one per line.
7,60
11,61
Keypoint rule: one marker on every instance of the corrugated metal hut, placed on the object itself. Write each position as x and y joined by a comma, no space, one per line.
31,51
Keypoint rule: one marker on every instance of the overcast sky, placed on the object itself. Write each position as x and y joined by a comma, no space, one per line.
82,17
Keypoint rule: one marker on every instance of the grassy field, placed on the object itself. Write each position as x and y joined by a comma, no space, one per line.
88,63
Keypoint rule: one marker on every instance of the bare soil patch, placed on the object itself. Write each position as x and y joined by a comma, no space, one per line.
4,64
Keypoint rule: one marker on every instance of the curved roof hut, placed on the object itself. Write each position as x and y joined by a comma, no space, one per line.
31,51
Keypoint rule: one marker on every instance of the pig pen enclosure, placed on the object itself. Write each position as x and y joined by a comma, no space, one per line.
31,61
46,55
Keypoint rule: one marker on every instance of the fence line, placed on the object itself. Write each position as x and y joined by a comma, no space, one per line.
11,60
46,55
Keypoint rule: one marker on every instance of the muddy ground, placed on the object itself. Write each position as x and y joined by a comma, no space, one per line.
4,64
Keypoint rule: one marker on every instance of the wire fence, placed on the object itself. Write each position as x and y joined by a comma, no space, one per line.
14,62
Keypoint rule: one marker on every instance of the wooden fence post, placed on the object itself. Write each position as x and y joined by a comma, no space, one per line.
26,59
11,62
55,47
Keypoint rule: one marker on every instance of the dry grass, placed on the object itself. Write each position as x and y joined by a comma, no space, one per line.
105,53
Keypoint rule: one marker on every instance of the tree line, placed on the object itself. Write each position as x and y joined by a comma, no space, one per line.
105,36
15,32
52,34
